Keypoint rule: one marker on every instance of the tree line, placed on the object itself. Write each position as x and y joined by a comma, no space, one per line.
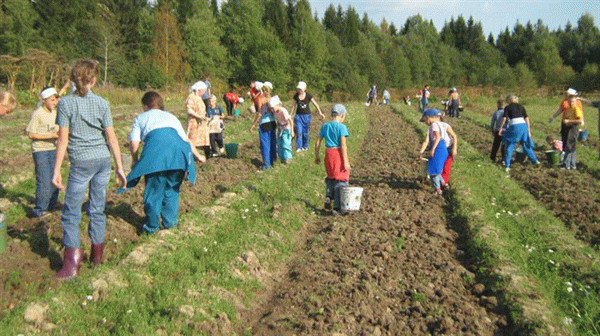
142,43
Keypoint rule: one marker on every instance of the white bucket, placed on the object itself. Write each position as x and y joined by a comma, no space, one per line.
350,198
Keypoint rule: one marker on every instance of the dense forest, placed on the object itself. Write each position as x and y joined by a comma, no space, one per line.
142,43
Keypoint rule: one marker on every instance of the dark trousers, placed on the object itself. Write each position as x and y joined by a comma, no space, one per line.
496,146
46,194
216,142
228,106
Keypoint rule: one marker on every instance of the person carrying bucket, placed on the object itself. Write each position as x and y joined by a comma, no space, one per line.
337,163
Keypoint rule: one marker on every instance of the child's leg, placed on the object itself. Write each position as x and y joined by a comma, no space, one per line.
97,200
337,193
265,147
329,185
45,192
495,146
447,168
298,125
219,140
306,133
154,194
170,204
436,181
213,143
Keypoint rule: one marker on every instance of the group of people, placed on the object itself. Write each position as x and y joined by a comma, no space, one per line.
277,126
372,96
510,126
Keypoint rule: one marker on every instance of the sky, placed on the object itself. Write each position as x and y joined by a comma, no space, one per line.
495,15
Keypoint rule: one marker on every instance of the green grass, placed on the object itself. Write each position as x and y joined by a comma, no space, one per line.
521,250
199,264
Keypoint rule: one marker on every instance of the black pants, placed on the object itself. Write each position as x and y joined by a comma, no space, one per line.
216,142
496,146
228,105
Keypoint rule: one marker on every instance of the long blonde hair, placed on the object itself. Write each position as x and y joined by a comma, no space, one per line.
83,73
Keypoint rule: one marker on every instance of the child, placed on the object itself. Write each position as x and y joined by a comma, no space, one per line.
86,128
215,116
436,142
166,158
554,144
337,163
43,132
285,130
495,127
572,119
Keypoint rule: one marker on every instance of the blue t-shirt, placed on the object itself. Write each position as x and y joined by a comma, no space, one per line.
331,132
214,111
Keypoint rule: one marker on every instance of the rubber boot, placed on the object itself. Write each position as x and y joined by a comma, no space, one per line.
97,252
71,264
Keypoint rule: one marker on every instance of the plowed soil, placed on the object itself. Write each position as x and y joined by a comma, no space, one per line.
572,196
31,258
393,268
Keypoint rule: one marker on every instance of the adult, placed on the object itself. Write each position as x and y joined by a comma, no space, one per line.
267,128
86,130
425,97
562,111
453,103
208,92
518,131
302,115
231,100
166,157
372,95
197,128
572,118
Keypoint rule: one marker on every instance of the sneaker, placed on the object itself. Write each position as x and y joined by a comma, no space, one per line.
327,205
298,150
222,151
507,170
438,191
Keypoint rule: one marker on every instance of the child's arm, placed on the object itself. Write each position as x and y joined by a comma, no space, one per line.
345,153
64,88
257,118
291,121
317,146
134,147
61,149
423,147
38,136
501,130
454,141
113,144
318,108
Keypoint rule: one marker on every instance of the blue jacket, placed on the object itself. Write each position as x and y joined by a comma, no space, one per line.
163,150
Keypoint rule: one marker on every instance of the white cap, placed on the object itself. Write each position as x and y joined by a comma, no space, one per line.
258,85
47,93
200,85
268,85
274,101
301,86
572,92
241,100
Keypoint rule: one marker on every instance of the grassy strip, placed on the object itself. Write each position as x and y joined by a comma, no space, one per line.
195,273
550,278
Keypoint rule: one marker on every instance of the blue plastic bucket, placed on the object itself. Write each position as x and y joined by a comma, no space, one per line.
231,149
236,113
583,135
3,232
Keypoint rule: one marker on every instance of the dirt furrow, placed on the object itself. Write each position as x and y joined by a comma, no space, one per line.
572,196
393,268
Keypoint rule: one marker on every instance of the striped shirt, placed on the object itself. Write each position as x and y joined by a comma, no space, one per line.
86,118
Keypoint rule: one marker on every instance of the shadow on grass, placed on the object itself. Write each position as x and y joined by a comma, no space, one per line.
478,258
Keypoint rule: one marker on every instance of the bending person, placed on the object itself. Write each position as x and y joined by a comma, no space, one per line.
518,131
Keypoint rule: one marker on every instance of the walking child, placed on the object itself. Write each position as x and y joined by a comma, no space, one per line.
436,143
43,131
215,116
285,130
337,163
495,128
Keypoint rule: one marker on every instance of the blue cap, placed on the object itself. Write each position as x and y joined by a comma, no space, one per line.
431,113
338,109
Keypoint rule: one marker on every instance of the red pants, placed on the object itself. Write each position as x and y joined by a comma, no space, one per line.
447,166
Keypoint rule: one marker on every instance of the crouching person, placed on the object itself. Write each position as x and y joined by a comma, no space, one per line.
166,157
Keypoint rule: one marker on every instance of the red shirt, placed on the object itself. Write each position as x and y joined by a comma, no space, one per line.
232,97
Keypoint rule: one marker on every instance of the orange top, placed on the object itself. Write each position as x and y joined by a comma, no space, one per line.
565,106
